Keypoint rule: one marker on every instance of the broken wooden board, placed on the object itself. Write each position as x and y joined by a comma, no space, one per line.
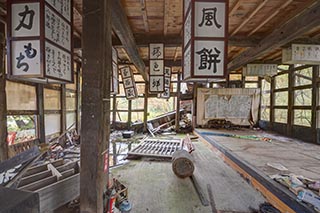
156,148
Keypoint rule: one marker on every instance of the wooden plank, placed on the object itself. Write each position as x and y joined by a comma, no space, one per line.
144,15
39,184
67,166
63,112
40,107
95,120
67,173
60,193
54,171
315,102
40,168
299,25
121,27
247,19
33,178
3,102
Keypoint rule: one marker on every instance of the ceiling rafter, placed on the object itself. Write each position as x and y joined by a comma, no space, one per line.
144,15
122,28
166,17
291,30
234,7
247,18
268,17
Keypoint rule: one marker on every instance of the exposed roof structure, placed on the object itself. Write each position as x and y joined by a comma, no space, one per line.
257,28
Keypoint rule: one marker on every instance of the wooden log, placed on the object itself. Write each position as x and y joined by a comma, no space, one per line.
182,163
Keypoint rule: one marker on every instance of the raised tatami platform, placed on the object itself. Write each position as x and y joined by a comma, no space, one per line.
250,158
153,187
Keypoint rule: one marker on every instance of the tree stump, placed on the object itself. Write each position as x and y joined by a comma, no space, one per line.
182,164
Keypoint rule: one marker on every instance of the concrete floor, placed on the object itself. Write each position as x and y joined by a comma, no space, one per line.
153,187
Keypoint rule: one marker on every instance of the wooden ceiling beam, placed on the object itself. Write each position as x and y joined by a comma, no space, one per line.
247,18
268,17
144,15
122,28
299,25
174,41
234,7
167,62
166,17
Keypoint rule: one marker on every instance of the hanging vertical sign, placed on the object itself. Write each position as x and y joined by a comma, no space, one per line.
40,40
114,84
167,83
205,33
156,68
129,84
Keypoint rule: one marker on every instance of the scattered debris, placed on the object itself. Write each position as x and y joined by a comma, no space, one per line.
277,166
156,148
305,189
248,137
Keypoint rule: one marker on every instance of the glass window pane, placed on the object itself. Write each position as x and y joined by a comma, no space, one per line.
251,85
20,96
281,81
265,85
138,103
71,101
157,106
303,97
52,123
71,119
303,77
265,99
52,99
137,117
121,90
235,77
121,104
281,98
140,89
21,128
265,114
281,115
138,78
122,116
251,78
302,117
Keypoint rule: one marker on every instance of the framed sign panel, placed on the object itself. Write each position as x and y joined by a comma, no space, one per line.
40,44
156,67
205,37
129,84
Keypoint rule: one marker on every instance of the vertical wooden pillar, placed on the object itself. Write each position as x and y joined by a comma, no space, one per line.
3,104
290,112
78,101
114,112
178,102
129,114
40,106
95,120
315,102
63,108
145,112
272,99
194,110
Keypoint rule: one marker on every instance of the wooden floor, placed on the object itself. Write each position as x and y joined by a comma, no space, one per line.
153,187
298,157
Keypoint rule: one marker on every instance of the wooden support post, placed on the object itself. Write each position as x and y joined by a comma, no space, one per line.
40,106
78,101
3,104
272,100
95,130
178,102
290,112
63,126
129,114
145,112
315,102
114,112
194,111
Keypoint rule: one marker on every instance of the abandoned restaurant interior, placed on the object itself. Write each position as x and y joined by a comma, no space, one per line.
173,106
